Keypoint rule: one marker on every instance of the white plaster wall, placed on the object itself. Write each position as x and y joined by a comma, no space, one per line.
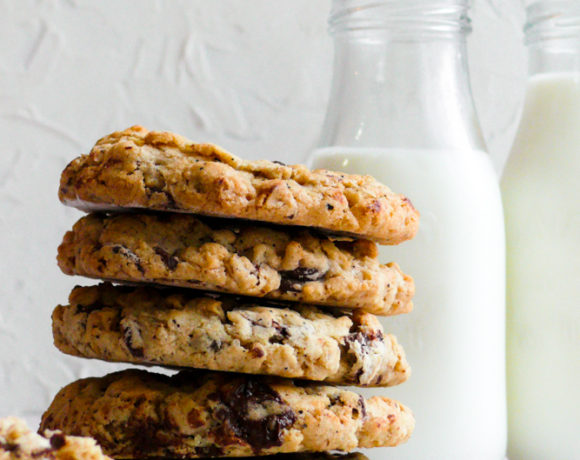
252,76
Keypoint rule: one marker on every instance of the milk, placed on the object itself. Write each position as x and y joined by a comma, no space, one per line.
542,203
454,338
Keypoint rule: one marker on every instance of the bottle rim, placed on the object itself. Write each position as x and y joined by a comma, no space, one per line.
553,20
401,17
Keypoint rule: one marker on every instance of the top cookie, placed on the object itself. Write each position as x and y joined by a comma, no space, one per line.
137,168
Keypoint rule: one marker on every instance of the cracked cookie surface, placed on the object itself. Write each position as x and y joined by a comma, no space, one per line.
278,263
137,414
184,328
163,171
18,442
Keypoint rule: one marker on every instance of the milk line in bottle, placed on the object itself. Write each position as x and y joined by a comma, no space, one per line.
401,110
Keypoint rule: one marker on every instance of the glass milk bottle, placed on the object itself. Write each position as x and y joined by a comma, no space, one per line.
401,110
541,194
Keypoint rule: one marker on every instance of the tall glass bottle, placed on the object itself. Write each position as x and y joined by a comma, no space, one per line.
401,110
541,193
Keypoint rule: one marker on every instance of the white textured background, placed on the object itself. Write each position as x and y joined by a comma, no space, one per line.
252,76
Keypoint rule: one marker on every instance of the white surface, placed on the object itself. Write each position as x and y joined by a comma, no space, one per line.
454,338
251,76
542,200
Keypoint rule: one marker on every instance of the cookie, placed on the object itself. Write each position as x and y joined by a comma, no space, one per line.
287,264
163,171
186,328
17,442
137,414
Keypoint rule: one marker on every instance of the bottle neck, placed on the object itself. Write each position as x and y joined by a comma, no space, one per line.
552,34
400,76
401,94
544,59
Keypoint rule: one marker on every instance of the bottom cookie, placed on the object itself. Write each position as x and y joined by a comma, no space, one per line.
137,414
18,442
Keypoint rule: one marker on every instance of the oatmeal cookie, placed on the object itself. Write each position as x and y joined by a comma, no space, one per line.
137,414
284,263
185,328
163,171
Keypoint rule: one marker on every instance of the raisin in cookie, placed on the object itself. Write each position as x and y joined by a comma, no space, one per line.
187,328
287,264
18,442
136,168
136,414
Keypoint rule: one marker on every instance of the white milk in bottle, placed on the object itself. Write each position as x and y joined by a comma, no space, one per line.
401,110
542,201
541,194
454,338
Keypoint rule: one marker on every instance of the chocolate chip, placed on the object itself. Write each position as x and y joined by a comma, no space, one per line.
215,345
57,441
279,163
363,406
289,285
126,252
335,400
169,260
9,447
375,336
257,352
329,206
282,333
358,342
293,280
238,399
303,274
132,338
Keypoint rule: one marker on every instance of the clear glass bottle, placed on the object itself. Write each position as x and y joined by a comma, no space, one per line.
401,110
541,194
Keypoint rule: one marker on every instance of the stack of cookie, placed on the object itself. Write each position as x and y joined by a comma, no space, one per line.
266,272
